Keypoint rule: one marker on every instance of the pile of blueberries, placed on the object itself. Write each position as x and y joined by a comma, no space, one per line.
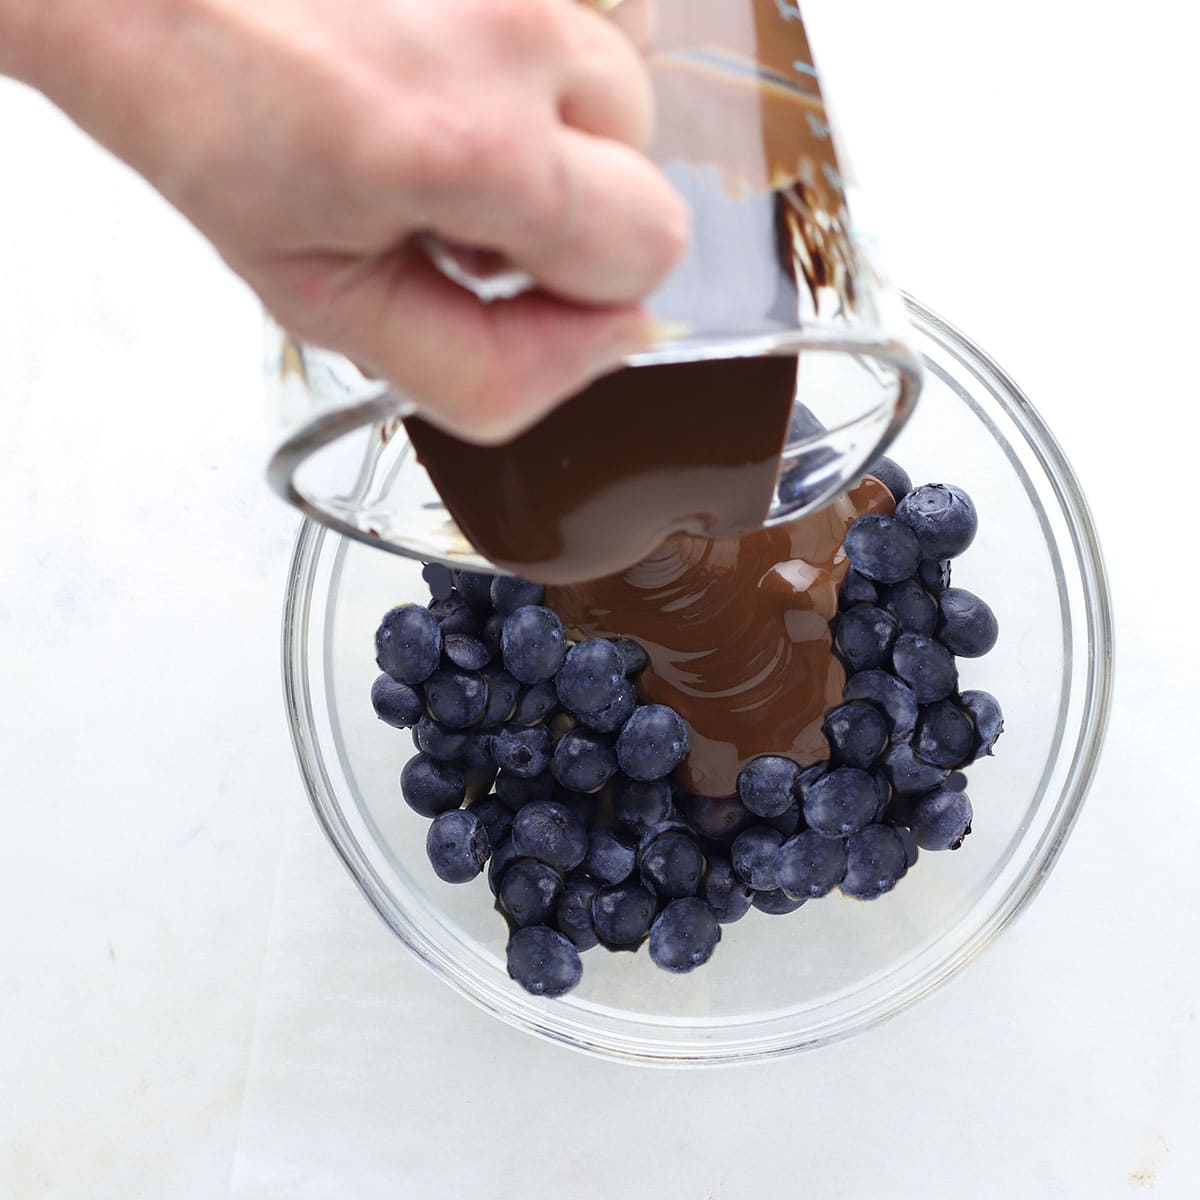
535,759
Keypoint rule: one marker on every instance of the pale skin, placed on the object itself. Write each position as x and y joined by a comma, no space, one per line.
314,141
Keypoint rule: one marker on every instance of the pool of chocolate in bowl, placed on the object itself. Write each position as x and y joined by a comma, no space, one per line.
737,634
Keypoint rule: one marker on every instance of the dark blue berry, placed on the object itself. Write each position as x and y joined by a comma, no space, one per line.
943,519
466,651
633,655
545,830
610,718
535,704
911,853
765,784
513,791
408,644
926,666
941,820
944,734
892,697
475,589
574,912
857,734
510,592
966,625
622,914
673,866
715,818
841,802
864,637
808,777
934,574
458,845
477,752
430,787
671,825
533,643
524,753
397,704
753,856
455,615
543,961
875,861
883,794
584,761
809,865
609,859
529,892
456,698
684,935
908,773
581,805
776,902
639,805
439,579
433,738
493,627
856,589
652,743
503,857
727,895
495,817
590,677
502,695
913,607
989,721
803,423
788,821
893,477
956,781
882,548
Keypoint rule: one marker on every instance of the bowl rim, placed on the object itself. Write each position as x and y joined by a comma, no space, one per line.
534,1017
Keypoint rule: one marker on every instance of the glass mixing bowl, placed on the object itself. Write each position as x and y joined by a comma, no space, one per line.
776,984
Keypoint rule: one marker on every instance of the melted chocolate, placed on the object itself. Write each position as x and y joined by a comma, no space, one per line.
737,633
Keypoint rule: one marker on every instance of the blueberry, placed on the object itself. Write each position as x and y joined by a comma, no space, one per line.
989,721
966,626
882,548
456,698
908,773
934,574
944,734
883,794
543,961
610,718
458,845
776,902
581,805
622,914
893,477
466,651
574,912
502,695
875,861
941,820
477,752
911,853
533,644
788,821
673,866
495,817
433,738
638,805
943,519
856,589
956,781
857,734
545,830
408,644
503,857
475,589
727,895
765,784
633,655
652,743
684,935
535,704
609,859
590,676
397,704
892,697
809,865
529,892
430,787
926,666
493,627
524,753
753,856
510,592
513,791
671,825
584,761
864,637
439,579
914,609
809,776
455,615
841,802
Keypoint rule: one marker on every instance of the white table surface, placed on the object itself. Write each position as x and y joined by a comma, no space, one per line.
159,872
